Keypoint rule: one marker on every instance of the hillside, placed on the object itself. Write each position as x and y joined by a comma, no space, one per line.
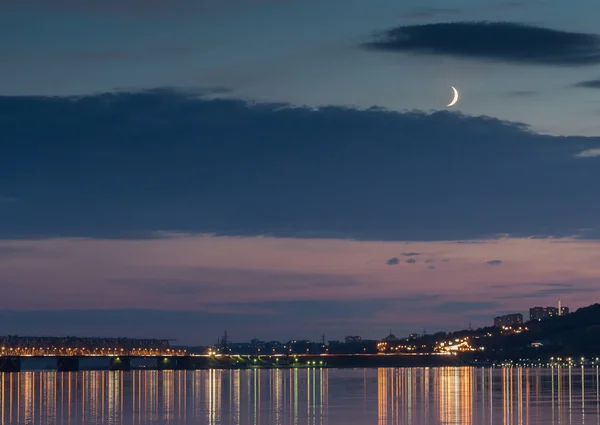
577,334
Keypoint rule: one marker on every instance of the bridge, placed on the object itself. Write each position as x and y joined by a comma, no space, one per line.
68,354
22,346
69,350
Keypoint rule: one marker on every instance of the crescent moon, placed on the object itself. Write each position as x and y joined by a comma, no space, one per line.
455,97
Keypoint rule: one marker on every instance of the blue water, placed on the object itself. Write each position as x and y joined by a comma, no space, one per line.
304,396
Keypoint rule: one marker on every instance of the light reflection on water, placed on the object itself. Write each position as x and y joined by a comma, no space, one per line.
418,396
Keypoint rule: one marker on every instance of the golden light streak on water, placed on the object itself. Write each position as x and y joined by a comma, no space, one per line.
305,396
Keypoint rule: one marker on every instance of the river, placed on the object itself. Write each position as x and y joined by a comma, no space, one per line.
417,396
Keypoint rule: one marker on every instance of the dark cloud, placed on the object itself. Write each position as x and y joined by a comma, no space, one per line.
503,41
494,262
129,164
393,261
463,306
515,4
549,292
411,261
590,84
181,325
240,279
324,309
522,93
410,254
266,320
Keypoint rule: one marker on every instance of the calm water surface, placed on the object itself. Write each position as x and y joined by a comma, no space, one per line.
304,396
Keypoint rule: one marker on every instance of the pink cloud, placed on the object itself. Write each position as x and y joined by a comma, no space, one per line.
201,272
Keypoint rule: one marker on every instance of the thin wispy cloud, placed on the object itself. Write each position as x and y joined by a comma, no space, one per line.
522,93
431,12
129,8
7,199
550,292
588,153
461,306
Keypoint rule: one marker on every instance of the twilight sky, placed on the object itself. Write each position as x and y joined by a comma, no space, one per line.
283,169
